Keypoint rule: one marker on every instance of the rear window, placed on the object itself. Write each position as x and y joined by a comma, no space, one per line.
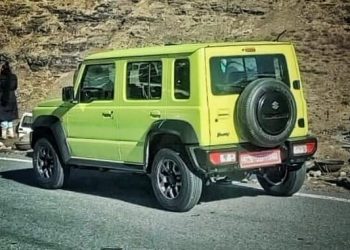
230,75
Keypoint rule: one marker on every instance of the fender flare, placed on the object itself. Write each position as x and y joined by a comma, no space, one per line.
54,125
181,129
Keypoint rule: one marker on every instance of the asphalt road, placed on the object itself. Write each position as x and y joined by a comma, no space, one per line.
118,211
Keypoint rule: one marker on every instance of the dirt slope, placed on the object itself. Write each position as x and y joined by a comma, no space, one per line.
44,39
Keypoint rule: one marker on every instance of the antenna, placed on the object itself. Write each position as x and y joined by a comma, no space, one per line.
280,35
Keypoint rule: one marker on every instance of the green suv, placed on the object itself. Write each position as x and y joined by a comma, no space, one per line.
186,115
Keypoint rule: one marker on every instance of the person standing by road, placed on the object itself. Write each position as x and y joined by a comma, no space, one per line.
8,101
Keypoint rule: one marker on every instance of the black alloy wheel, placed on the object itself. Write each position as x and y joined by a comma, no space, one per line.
175,186
45,162
169,179
48,170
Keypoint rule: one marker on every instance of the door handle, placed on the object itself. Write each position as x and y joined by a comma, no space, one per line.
107,114
223,114
155,114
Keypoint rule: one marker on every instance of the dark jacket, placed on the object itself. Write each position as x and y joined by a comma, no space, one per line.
8,100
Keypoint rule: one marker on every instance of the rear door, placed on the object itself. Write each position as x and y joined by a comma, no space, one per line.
230,69
220,103
141,103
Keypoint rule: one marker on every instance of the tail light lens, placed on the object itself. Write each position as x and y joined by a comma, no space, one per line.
223,158
307,148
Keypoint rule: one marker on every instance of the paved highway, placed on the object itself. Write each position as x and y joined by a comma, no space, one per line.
118,211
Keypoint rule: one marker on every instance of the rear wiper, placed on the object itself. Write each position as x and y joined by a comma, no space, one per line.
239,85
265,75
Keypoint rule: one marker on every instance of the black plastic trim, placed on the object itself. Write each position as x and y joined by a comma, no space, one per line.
200,155
54,125
181,129
296,84
91,163
301,123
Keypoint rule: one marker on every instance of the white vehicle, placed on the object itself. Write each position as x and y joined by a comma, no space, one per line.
25,125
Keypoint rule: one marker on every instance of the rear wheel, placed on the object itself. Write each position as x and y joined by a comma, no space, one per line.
282,181
175,186
48,169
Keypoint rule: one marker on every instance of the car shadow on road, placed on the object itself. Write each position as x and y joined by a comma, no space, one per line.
228,191
131,188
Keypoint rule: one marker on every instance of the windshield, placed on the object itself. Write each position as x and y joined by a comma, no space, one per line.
229,75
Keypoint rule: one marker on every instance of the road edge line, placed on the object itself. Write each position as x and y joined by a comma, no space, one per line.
322,197
14,159
305,195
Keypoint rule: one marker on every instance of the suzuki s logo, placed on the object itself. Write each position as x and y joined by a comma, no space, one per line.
275,105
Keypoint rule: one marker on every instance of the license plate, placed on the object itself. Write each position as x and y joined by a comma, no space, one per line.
260,158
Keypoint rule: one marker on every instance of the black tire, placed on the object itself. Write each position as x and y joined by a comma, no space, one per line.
170,195
292,181
48,169
266,112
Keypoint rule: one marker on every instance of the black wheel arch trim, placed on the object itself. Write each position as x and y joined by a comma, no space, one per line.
54,125
181,129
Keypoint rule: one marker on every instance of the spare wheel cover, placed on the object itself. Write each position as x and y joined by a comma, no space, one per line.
266,112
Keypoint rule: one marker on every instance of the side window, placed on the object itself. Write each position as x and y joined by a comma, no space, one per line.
182,79
144,80
97,82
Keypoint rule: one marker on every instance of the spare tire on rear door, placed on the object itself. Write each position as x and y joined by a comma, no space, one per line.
266,112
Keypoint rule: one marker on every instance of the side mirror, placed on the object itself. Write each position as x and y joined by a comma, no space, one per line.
68,94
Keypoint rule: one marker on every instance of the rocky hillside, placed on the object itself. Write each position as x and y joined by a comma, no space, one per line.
44,39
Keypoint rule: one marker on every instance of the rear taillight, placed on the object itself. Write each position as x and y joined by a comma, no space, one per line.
307,148
223,158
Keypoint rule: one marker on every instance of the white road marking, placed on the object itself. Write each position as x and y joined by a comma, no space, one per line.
236,183
314,196
322,197
14,159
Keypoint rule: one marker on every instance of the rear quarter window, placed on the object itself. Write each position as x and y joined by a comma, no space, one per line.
182,79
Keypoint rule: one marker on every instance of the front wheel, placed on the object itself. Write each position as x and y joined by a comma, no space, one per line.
48,169
282,181
175,186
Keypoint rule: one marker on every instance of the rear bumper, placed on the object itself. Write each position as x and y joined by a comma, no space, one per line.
200,156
